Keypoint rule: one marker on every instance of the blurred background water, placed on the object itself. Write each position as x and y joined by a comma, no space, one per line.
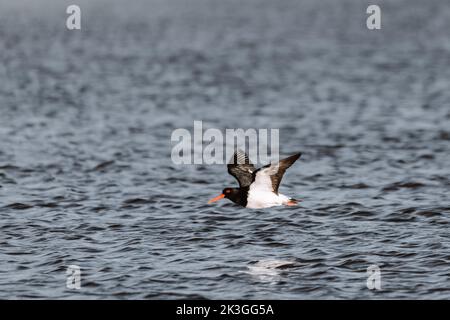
85,170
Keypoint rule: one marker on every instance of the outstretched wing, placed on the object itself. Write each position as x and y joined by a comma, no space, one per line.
241,168
268,178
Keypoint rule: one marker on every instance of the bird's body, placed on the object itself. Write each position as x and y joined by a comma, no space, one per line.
258,188
259,199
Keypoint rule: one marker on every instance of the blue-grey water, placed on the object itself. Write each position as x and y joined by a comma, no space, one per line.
86,176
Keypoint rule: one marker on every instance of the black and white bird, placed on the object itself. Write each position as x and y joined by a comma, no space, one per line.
258,188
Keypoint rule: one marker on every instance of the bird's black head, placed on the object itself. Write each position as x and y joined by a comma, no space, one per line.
229,192
234,194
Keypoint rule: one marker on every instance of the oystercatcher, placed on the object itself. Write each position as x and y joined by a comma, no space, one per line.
258,188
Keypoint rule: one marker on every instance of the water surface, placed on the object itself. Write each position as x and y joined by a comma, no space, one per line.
85,170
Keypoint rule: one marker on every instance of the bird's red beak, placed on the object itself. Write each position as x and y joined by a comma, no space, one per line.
216,198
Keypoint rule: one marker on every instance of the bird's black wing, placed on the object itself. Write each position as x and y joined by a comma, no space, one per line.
268,178
241,168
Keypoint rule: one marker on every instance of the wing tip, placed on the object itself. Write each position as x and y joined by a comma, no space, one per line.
295,156
239,157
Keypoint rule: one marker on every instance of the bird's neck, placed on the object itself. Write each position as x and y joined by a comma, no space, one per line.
239,196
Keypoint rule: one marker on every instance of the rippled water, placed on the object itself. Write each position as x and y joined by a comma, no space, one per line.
85,170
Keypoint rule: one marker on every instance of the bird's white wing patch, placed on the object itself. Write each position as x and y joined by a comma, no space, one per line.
261,194
262,182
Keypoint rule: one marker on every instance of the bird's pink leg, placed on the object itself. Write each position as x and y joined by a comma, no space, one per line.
292,202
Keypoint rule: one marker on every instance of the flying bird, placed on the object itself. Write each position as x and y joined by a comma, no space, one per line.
258,188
